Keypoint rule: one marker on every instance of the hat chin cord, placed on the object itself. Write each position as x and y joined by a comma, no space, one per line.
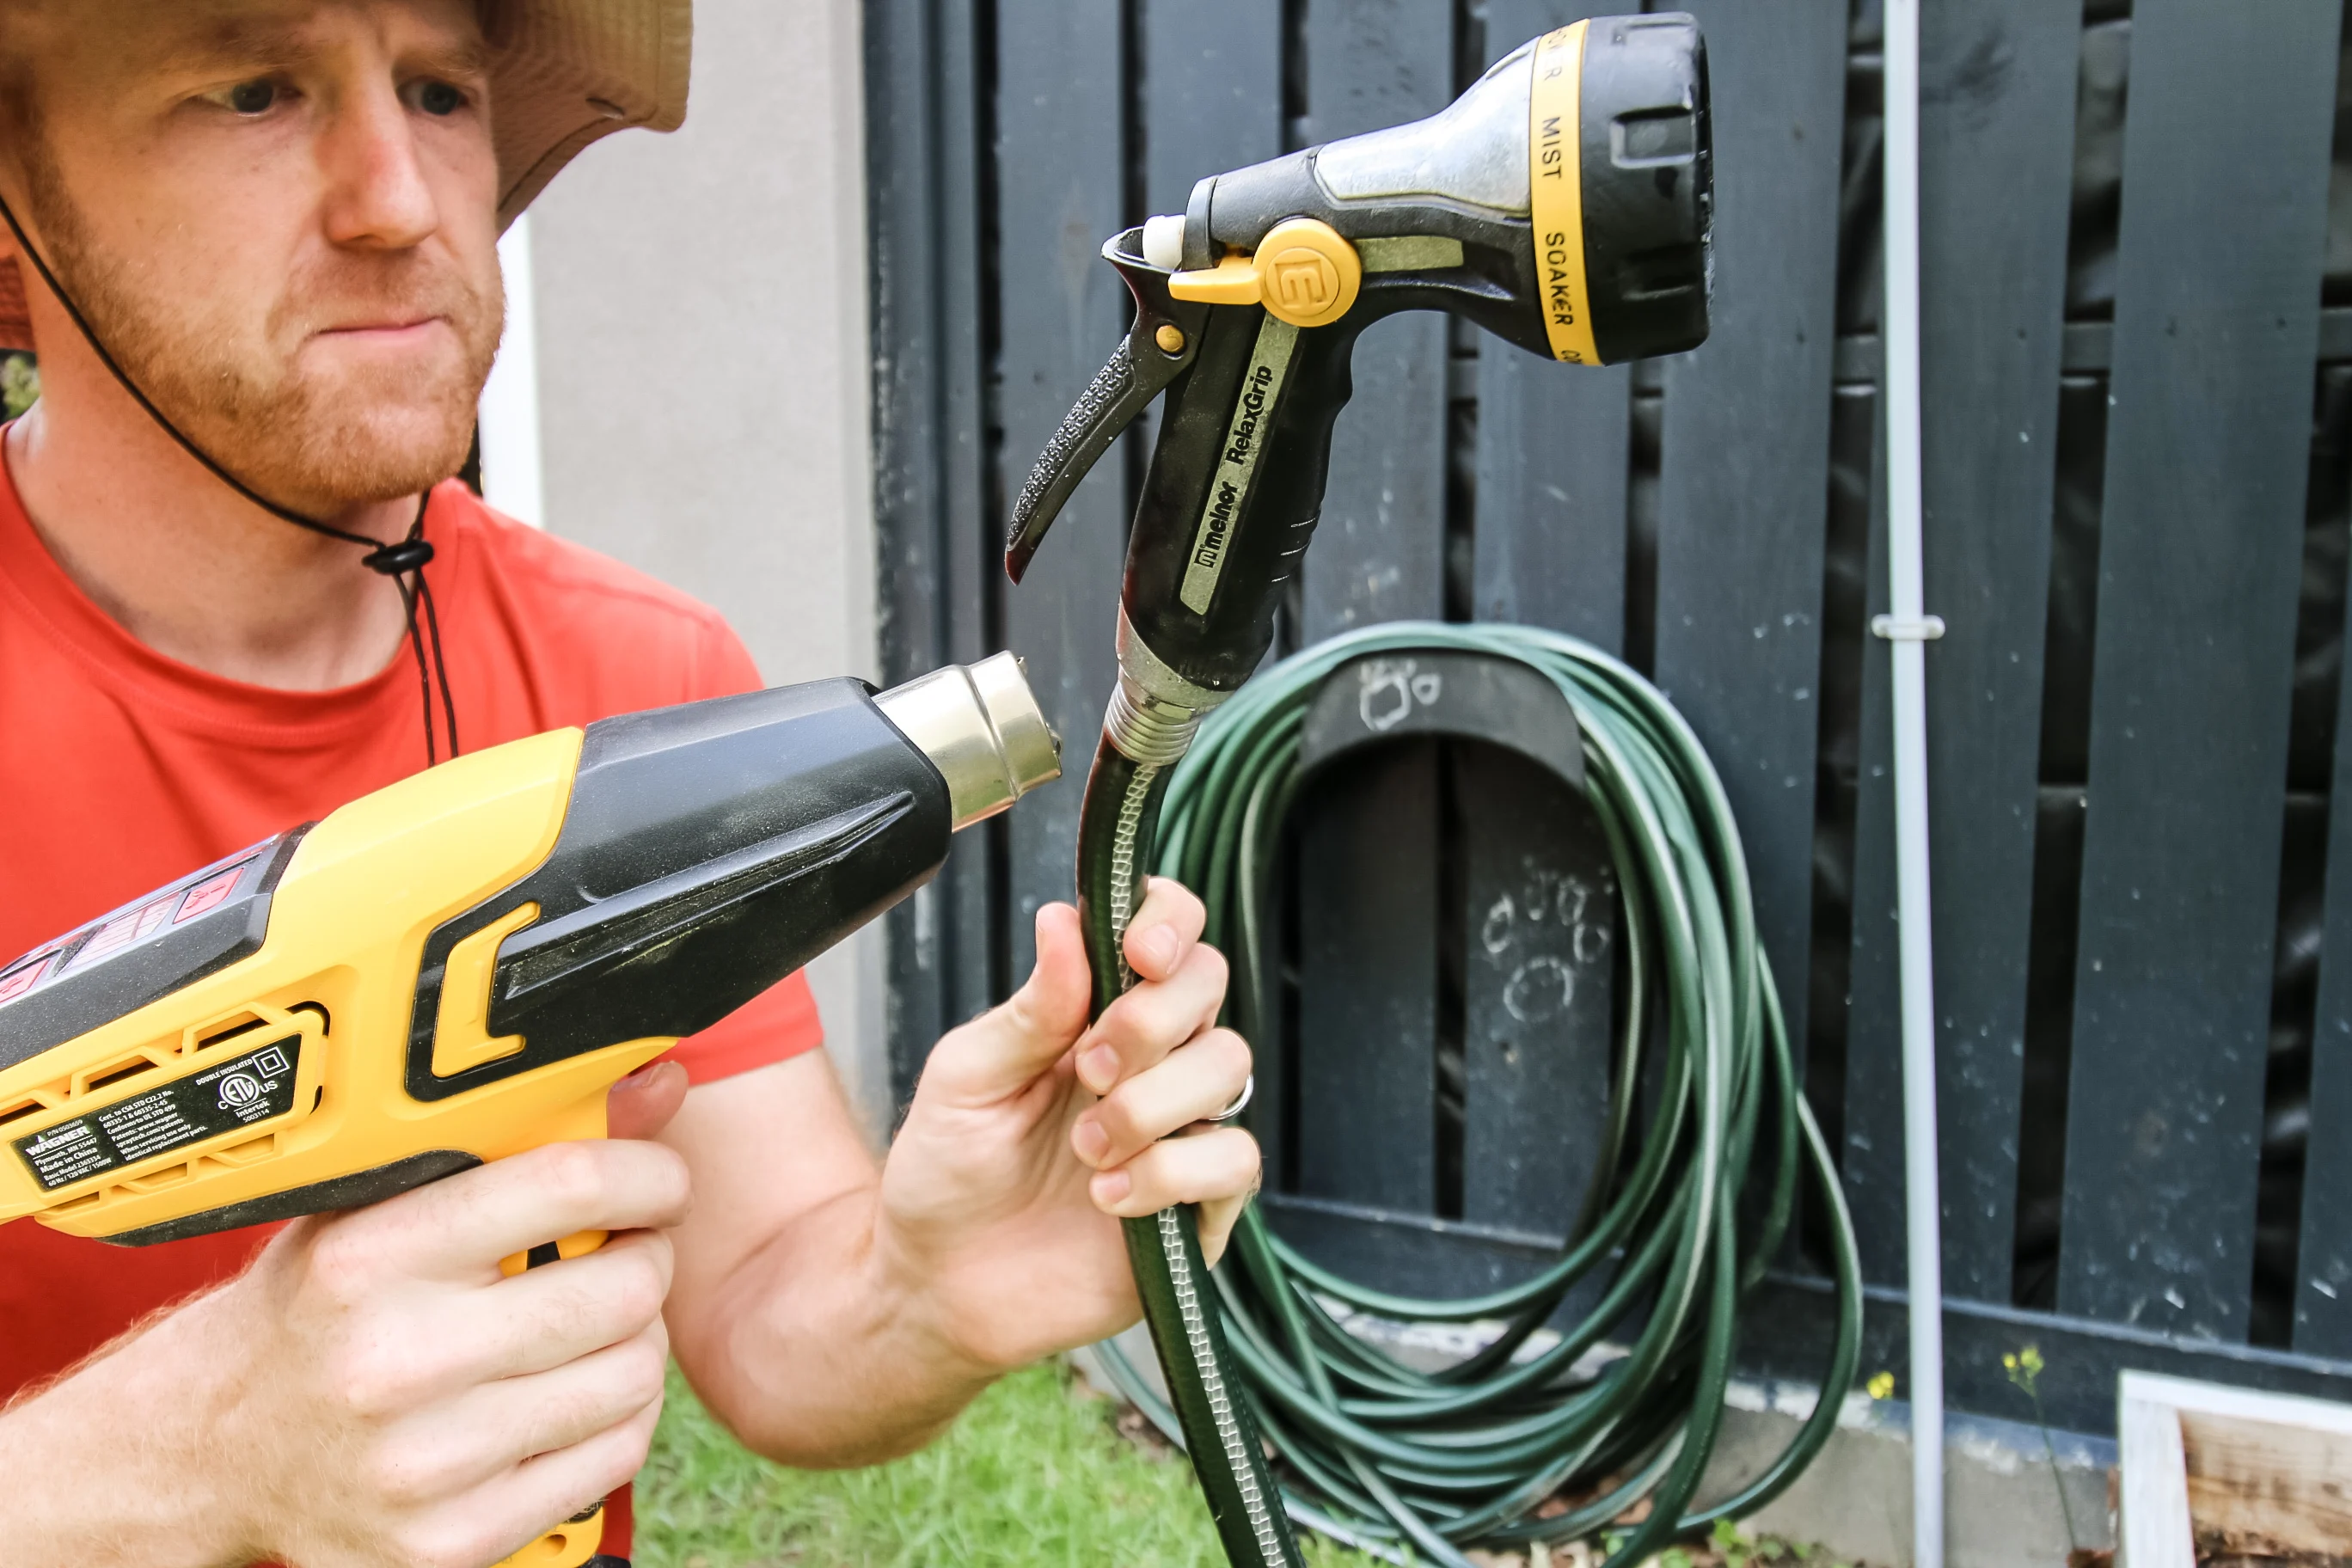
403,561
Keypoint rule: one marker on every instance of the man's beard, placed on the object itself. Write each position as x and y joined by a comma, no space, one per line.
317,438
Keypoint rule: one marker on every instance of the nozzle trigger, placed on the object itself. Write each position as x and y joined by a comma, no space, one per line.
1138,370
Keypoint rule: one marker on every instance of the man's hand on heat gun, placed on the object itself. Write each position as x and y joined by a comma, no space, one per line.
428,1410
1032,1133
375,1392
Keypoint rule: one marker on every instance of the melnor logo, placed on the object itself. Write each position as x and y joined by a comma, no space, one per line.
1303,280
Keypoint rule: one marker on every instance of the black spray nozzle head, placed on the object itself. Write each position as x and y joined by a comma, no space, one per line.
1576,171
1648,196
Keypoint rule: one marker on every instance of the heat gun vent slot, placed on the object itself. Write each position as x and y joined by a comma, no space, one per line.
1655,274
157,1180
20,1111
229,1028
118,1072
251,1151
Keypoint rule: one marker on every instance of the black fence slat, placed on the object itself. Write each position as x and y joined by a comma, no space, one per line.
1552,443
1368,981
2226,153
1060,178
1380,552
1744,475
922,166
2322,1285
1214,99
1367,860
1212,102
1996,171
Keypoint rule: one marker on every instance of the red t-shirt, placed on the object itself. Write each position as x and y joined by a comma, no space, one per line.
122,768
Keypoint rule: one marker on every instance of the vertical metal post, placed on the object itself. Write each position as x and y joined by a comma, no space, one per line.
1907,629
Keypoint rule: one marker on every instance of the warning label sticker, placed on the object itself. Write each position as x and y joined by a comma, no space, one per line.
229,1095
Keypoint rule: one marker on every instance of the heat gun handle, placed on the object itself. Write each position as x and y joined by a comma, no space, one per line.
584,1120
575,1541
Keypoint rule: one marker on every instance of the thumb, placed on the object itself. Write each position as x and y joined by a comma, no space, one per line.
641,1104
1004,1049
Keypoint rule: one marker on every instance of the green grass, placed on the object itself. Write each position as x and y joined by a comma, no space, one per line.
1036,1473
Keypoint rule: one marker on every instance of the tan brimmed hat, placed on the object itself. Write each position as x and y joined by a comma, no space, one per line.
565,73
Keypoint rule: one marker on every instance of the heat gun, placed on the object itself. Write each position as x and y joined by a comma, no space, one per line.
455,968
1563,204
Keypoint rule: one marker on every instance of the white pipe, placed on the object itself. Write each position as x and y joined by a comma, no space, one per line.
510,406
1907,629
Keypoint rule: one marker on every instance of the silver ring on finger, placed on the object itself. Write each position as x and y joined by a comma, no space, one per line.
1241,1101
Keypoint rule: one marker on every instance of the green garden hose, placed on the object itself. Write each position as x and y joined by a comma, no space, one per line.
1682,1217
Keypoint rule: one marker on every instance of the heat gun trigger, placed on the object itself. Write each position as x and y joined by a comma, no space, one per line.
1159,347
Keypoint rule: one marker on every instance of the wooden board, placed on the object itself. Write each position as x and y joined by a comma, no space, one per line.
2152,1496
1059,179
2264,1486
1996,140
1743,485
2217,305
2210,1468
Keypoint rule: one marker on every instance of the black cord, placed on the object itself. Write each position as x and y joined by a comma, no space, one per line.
403,561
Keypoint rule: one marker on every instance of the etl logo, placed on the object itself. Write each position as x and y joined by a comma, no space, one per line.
249,1084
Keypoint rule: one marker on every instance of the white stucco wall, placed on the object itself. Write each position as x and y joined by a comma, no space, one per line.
701,346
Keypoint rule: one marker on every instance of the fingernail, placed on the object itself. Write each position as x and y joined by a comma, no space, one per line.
1098,1067
1160,946
1110,1187
1090,1141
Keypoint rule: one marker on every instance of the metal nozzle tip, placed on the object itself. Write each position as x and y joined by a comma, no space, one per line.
980,726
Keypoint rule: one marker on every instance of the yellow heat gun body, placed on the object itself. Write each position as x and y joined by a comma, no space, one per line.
457,968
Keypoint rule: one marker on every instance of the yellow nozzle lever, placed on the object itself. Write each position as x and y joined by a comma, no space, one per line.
1303,273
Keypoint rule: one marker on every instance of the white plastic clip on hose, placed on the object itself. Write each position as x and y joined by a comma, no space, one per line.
1907,631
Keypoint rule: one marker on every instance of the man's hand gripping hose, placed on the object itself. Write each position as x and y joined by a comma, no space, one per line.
1144,735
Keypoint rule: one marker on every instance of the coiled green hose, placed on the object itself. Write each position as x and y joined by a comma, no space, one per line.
1682,1218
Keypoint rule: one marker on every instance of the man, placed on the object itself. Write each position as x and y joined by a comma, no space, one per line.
278,217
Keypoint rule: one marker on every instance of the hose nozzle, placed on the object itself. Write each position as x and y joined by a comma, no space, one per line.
980,726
